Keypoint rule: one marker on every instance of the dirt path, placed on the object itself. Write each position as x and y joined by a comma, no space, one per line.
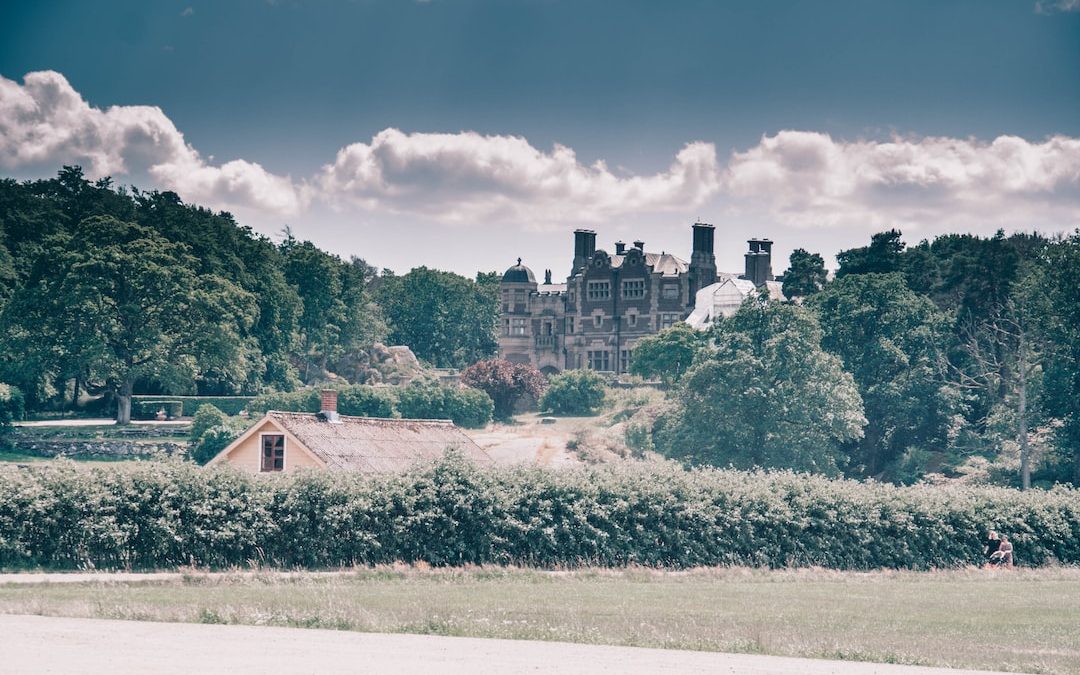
35,644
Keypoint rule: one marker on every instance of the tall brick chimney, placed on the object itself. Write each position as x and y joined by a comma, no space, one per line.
584,247
759,261
328,405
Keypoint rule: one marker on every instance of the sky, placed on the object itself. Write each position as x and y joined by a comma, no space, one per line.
462,134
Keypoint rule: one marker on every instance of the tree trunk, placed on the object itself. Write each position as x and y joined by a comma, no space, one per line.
123,402
1021,416
75,393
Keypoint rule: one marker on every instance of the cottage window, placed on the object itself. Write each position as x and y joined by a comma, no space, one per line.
599,360
273,452
599,290
633,289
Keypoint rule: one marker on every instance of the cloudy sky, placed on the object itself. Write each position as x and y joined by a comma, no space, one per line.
462,134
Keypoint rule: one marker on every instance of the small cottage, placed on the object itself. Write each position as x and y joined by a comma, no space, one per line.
289,441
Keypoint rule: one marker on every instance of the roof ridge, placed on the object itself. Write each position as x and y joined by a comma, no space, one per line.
365,418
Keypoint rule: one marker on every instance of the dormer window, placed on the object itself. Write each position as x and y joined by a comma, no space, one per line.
273,452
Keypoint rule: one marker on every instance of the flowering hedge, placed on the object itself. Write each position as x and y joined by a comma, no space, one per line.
159,515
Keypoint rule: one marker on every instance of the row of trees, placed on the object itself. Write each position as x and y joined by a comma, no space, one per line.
105,290
958,356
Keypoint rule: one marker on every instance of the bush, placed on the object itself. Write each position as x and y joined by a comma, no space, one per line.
11,405
575,392
159,515
148,409
212,431
467,407
230,405
358,399
505,382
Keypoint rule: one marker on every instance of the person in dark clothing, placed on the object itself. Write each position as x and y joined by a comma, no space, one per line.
1003,556
991,544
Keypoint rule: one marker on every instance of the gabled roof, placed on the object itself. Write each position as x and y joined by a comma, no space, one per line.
662,263
374,445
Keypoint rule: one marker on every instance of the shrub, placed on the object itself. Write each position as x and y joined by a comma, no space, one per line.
467,407
11,405
211,431
505,382
575,392
358,399
156,515
148,409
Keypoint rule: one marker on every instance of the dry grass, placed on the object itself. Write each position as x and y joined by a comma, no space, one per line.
1023,620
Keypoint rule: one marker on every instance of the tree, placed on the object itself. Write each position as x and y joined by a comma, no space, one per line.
882,256
806,274
889,338
668,354
505,382
446,319
575,392
766,395
123,302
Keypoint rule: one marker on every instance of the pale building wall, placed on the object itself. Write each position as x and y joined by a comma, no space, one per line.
248,458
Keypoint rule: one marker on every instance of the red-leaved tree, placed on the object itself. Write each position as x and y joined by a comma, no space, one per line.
505,383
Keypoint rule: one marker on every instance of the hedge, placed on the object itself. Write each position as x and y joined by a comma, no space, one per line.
230,405
161,515
357,399
144,409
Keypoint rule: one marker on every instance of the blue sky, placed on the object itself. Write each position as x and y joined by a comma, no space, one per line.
814,123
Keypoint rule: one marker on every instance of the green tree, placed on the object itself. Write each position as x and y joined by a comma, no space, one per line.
465,406
446,319
766,395
668,354
805,275
123,301
882,256
890,339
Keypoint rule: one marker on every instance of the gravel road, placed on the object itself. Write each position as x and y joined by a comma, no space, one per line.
35,644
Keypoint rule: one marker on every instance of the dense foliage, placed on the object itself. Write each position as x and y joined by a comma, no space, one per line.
211,431
467,407
115,291
450,513
668,354
765,394
574,392
359,400
11,405
505,382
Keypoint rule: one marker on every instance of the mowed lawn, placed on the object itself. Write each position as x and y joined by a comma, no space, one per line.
1023,620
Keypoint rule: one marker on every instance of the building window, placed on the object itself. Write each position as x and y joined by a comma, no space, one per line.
597,321
668,320
599,360
599,290
671,291
506,326
631,319
633,289
569,325
273,452
518,327
571,295
519,297
624,360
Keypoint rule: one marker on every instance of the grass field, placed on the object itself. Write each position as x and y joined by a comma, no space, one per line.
1022,620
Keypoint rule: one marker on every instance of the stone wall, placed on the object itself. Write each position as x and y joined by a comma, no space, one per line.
101,448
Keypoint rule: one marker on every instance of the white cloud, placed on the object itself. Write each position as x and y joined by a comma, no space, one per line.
798,178
467,177
1051,6
810,179
45,123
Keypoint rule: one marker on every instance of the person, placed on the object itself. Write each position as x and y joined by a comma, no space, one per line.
991,544
1003,556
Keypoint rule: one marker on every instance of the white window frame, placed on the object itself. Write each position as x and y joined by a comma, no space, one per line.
633,289
598,290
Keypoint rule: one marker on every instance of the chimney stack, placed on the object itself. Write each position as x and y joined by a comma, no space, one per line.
620,248
328,405
584,247
639,245
759,261
547,276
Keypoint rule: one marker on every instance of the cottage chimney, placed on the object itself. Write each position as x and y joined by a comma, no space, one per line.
620,248
328,405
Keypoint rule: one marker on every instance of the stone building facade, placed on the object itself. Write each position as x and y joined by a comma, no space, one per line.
608,302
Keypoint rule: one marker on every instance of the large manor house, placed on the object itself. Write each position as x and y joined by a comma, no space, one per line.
611,300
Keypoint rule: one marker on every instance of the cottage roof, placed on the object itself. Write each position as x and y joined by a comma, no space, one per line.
375,445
